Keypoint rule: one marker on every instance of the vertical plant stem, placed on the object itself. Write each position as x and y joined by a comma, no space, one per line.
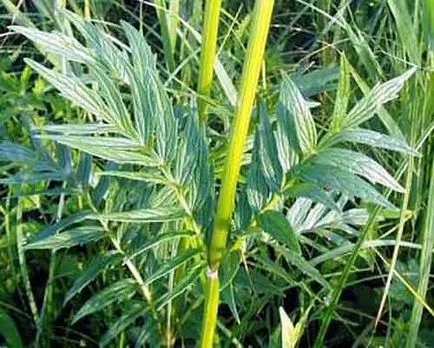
23,264
428,229
212,297
327,52
87,10
425,265
208,51
173,21
398,239
225,206
165,34
337,291
249,82
45,324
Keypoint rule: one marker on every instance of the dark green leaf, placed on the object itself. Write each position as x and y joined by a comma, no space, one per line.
277,226
116,292
98,265
342,181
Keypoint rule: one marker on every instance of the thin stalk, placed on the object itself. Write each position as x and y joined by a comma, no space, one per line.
428,230
425,265
225,206
45,321
165,34
174,21
23,264
399,235
330,311
208,52
87,10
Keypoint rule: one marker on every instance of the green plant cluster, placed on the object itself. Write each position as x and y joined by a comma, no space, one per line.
219,173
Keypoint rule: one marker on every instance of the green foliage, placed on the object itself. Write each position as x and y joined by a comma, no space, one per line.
109,179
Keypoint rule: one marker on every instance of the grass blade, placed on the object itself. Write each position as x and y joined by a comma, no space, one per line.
425,265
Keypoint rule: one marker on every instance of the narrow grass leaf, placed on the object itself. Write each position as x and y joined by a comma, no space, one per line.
425,265
406,29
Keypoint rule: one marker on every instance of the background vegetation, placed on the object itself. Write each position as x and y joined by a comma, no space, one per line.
108,189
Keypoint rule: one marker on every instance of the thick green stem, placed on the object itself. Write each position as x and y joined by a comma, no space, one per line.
249,81
211,308
208,52
87,15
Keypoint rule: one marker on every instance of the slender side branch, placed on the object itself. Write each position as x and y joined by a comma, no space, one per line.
225,206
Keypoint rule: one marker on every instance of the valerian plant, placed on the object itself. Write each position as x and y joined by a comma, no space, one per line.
150,190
